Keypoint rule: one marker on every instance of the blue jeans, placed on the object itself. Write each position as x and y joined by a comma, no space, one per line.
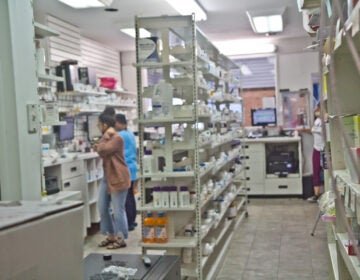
112,221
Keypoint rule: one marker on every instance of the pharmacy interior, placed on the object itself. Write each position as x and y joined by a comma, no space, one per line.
222,99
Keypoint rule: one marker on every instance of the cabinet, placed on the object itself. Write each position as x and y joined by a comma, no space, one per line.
269,174
192,141
82,173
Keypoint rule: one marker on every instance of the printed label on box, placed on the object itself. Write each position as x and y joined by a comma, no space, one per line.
148,49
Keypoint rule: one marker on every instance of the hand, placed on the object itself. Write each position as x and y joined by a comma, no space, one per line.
95,146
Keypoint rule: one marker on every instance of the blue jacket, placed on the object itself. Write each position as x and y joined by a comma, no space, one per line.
130,152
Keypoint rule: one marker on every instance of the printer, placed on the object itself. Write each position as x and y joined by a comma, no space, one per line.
281,163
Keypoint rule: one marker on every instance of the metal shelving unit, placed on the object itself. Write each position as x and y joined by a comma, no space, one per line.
175,32
342,71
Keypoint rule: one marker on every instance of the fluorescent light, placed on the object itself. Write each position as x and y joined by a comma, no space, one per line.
187,7
244,47
245,70
271,23
82,4
131,32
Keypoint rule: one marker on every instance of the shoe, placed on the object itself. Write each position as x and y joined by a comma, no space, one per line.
116,245
135,224
131,228
312,199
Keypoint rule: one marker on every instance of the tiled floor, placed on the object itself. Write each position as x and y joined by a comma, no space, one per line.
273,243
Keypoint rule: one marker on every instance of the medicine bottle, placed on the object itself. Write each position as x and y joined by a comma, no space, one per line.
149,228
160,229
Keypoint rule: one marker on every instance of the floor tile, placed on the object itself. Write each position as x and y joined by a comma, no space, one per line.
259,275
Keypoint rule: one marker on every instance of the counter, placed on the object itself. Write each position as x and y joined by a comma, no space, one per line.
49,161
41,240
272,140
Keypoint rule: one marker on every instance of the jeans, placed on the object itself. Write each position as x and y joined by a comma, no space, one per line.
112,222
130,205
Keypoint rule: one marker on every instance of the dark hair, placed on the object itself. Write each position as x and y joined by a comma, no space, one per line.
121,118
110,111
107,119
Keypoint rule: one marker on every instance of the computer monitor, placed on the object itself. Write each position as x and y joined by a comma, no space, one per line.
263,117
92,129
66,132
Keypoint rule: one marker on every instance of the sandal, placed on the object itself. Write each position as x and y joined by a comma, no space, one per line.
106,242
116,245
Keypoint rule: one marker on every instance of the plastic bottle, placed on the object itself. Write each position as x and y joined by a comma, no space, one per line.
148,162
173,197
184,196
160,229
165,197
149,228
162,100
157,197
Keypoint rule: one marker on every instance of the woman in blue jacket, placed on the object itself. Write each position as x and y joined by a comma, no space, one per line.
130,154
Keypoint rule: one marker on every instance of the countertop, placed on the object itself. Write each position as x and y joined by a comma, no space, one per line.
14,213
69,157
279,139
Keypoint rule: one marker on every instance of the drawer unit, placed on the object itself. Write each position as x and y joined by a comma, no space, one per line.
72,169
74,184
254,147
255,189
285,186
255,173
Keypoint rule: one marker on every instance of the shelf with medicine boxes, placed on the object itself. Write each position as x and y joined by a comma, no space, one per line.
188,162
340,83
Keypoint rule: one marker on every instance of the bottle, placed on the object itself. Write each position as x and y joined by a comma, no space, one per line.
149,228
160,229
148,162
173,197
157,197
184,196
162,100
165,197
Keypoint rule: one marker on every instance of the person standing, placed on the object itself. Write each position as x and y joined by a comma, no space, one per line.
114,186
131,161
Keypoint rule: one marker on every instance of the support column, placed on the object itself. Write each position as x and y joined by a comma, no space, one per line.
20,151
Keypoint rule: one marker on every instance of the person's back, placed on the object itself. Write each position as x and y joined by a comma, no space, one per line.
130,151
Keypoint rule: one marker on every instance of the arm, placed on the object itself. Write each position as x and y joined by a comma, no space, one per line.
109,146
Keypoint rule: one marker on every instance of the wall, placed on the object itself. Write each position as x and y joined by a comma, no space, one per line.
294,72
252,99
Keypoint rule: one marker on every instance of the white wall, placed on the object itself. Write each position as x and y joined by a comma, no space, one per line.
294,73
294,70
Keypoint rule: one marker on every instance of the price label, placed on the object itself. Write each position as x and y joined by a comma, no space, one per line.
347,196
353,201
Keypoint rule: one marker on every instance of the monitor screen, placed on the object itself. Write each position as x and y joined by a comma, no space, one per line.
66,132
93,131
263,117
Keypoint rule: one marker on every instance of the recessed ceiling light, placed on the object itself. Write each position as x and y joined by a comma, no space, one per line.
82,4
111,10
131,32
266,22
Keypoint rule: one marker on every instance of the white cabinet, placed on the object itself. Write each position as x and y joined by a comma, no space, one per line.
262,180
83,174
192,144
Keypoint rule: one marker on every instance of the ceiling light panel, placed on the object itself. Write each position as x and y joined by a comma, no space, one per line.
188,7
82,4
266,22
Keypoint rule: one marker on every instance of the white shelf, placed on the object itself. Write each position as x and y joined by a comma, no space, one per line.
178,242
116,105
121,92
81,93
94,180
150,207
93,201
206,172
334,260
189,270
351,262
169,175
215,195
55,123
46,77
43,31
82,111
44,87
160,65
166,121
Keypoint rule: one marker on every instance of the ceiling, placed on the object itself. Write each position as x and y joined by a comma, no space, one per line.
227,19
